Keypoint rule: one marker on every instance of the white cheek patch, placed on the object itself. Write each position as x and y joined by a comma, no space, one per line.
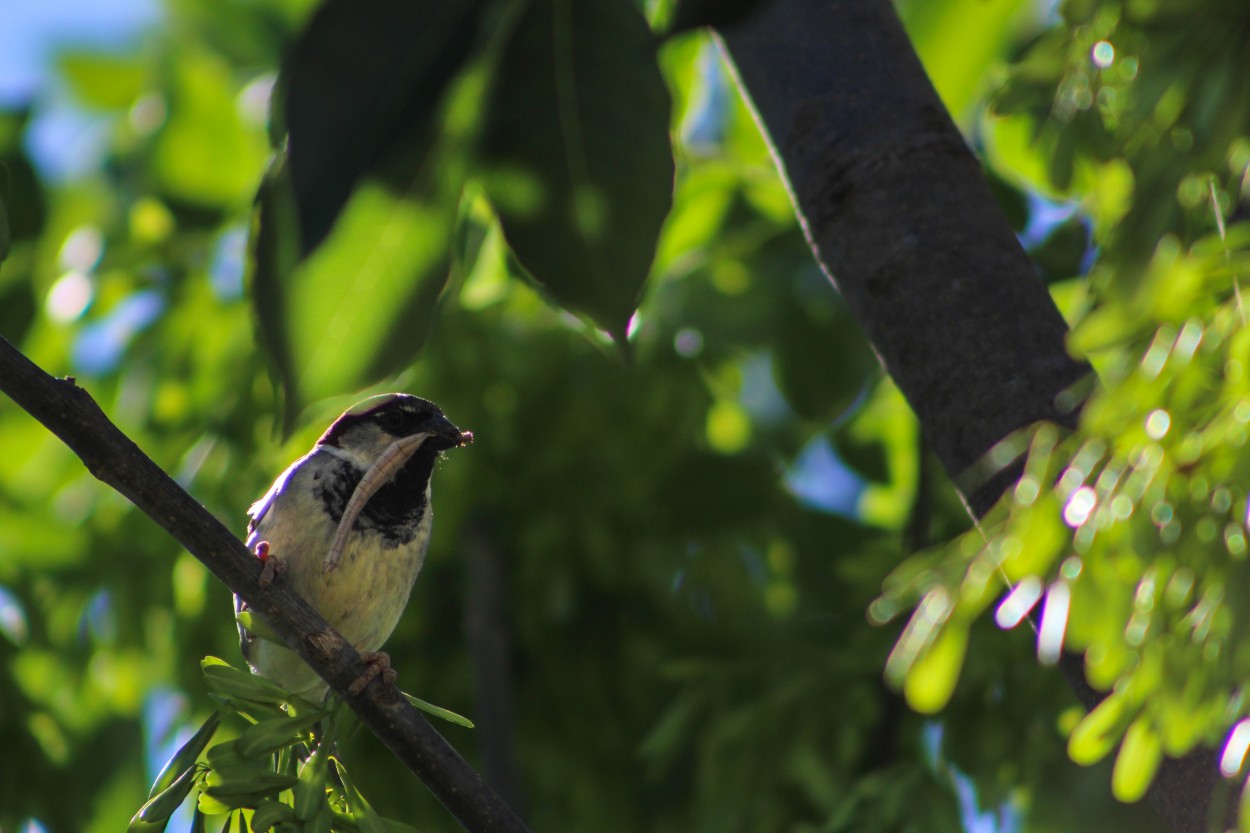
379,474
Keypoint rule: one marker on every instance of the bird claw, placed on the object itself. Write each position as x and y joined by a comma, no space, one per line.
377,664
272,565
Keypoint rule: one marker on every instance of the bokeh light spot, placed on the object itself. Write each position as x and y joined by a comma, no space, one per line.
69,297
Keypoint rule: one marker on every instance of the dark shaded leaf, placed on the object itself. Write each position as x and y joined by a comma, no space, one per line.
1062,253
25,201
822,360
363,77
577,146
693,14
275,252
269,813
704,490
5,239
361,811
1010,199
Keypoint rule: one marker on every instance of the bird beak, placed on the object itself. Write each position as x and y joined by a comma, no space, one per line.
443,435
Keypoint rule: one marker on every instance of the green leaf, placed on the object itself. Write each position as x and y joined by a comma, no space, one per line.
932,678
186,756
693,14
439,711
822,360
204,154
322,822
361,79
6,238
208,805
1098,731
154,814
251,781
105,82
1137,762
1243,808
576,144
361,305
364,815
228,681
1062,253
270,735
310,791
258,627
269,813
274,253
959,40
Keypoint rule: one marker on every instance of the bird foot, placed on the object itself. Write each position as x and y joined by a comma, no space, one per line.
377,664
272,565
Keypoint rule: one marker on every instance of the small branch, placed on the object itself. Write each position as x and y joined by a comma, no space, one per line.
69,412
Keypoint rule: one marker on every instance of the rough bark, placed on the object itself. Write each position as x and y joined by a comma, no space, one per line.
899,215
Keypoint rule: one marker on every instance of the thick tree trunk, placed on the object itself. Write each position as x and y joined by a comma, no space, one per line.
898,214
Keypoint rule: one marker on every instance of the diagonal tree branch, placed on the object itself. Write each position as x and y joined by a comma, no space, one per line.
69,412
897,212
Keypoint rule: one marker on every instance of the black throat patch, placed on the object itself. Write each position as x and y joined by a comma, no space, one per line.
394,513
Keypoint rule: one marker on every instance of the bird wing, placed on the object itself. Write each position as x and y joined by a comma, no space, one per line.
258,510
256,513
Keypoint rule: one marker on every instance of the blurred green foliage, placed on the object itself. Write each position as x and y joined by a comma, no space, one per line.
689,649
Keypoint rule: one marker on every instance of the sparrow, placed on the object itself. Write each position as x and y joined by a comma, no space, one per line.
348,525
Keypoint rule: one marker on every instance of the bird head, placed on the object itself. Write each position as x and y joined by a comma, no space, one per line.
382,434
369,428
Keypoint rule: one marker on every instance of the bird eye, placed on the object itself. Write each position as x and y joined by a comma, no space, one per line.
392,422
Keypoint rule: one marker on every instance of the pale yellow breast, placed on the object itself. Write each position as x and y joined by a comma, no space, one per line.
362,598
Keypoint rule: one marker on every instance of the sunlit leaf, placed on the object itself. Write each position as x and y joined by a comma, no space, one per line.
204,154
1137,761
931,680
310,791
104,81
439,711
270,735
1098,732
959,40
225,679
